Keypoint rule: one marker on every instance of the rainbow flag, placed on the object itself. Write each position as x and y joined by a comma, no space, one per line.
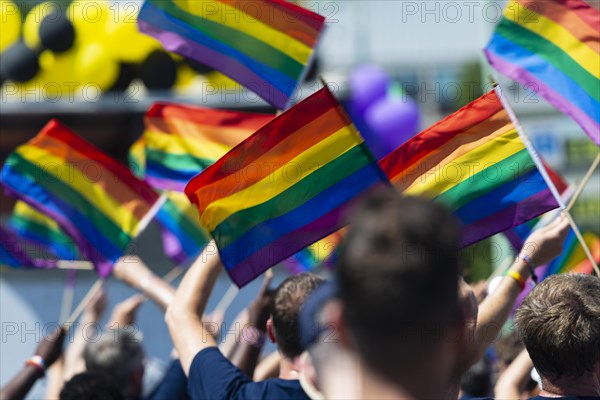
11,251
179,141
475,163
284,187
94,199
266,45
40,229
553,47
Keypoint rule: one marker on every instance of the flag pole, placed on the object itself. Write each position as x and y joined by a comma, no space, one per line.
67,300
85,302
544,173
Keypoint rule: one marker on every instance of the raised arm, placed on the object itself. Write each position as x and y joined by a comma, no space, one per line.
183,315
513,380
542,246
132,271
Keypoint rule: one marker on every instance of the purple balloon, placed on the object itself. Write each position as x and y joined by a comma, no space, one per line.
368,83
392,121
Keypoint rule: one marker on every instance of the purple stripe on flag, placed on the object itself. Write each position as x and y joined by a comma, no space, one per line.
295,241
175,43
517,214
515,72
165,184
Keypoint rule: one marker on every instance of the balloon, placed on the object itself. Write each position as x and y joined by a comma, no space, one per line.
90,20
368,83
123,38
95,65
33,21
159,71
19,63
127,73
57,32
10,28
392,120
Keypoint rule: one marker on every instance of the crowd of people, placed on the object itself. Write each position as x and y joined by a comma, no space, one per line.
396,320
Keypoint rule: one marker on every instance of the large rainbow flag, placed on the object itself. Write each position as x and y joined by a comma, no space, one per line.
94,199
36,227
265,45
284,187
475,163
553,48
180,141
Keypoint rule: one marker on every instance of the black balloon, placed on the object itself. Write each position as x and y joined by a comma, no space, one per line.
127,73
158,71
19,63
57,32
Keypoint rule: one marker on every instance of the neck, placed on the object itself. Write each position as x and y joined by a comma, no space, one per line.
288,369
587,385
412,383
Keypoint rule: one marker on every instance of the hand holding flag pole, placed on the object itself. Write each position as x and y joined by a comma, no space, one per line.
544,173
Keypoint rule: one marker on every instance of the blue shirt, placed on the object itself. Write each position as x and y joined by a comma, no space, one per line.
212,376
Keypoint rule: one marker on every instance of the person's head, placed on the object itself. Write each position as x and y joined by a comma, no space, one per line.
287,301
559,322
91,385
508,348
119,353
477,381
398,275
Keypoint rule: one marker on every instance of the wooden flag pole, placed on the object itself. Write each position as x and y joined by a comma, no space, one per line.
584,182
544,173
96,287
67,300
79,264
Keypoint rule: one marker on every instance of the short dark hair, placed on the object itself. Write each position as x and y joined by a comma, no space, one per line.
287,301
92,385
559,322
477,381
117,352
398,274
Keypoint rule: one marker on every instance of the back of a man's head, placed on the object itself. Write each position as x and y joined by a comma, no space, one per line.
398,277
287,301
93,385
119,353
559,322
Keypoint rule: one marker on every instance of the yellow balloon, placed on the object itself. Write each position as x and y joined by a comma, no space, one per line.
96,67
185,77
10,28
90,20
56,80
123,38
33,19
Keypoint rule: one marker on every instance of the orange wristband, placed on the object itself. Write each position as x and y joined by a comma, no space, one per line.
517,277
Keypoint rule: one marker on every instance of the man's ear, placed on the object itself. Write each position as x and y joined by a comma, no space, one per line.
270,331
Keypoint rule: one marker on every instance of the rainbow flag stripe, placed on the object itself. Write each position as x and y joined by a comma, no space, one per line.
284,187
573,258
475,163
180,141
320,253
518,234
11,253
553,47
265,45
183,237
94,199
38,228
